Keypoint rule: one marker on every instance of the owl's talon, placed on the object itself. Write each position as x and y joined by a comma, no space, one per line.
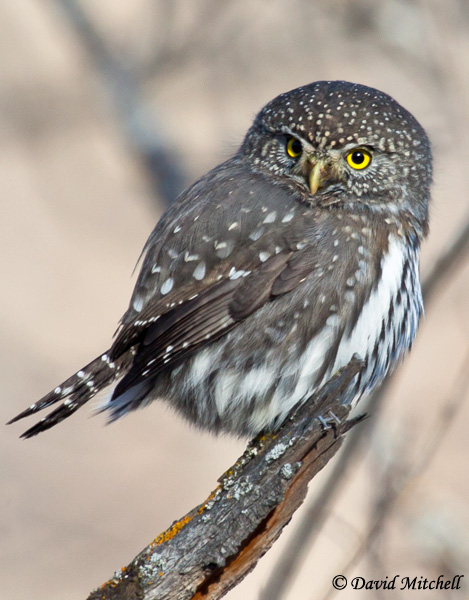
329,422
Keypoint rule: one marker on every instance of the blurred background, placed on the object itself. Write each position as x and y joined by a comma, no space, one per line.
107,110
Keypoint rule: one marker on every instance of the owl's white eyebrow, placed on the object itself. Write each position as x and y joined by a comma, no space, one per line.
354,145
286,131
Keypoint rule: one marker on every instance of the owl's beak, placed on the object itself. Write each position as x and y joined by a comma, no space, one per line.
318,175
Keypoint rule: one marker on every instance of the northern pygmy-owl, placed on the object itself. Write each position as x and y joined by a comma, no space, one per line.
271,271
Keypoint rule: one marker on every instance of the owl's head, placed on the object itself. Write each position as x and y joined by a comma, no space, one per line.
347,145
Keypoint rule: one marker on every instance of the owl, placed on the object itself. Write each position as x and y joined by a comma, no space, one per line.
272,270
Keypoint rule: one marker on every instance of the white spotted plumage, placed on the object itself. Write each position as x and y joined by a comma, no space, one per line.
252,397
272,270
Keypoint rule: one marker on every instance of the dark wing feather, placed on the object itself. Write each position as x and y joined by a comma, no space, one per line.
298,268
208,266
199,321
221,225
75,391
232,242
179,332
256,288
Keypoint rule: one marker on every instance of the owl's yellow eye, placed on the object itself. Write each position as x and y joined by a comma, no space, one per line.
294,147
358,159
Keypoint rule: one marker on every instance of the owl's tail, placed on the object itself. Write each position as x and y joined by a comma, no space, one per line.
75,391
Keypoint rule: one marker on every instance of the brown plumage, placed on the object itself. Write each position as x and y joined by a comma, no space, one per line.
272,270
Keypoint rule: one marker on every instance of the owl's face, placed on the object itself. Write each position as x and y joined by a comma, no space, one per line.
345,144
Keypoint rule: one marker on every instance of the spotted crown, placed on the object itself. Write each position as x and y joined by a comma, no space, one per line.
336,114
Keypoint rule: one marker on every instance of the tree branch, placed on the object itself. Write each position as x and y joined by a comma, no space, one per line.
214,546
166,172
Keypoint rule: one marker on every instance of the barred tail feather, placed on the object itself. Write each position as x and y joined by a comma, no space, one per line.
75,391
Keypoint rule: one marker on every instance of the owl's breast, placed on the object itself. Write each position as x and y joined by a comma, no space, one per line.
388,319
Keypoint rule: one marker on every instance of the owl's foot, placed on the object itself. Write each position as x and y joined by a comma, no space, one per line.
329,421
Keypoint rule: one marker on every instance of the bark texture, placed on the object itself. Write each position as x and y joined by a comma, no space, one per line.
212,548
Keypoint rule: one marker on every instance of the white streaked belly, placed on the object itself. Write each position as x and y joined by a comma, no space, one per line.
237,392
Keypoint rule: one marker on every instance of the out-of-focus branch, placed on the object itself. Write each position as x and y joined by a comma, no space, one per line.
171,51
313,520
165,170
400,475
445,265
212,548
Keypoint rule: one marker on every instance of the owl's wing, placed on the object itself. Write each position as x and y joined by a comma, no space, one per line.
197,322
222,263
